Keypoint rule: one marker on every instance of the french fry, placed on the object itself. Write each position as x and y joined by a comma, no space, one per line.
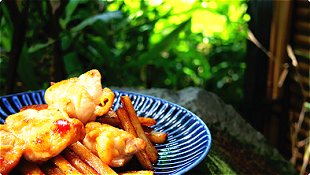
127,126
111,114
150,149
77,162
125,121
50,169
115,122
36,107
147,121
111,119
64,165
25,167
157,137
147,129
90,158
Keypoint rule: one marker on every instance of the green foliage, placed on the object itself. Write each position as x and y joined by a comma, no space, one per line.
170,44
217,165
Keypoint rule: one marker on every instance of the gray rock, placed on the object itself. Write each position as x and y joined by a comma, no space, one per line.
216,114
209,107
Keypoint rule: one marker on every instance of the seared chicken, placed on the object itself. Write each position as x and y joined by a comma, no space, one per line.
114,146
82,98
11,150
46,132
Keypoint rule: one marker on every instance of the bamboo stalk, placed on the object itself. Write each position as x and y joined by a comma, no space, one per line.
278,42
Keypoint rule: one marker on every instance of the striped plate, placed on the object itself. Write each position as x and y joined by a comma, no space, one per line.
189,139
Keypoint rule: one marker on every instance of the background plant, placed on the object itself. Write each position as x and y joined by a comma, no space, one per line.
144,44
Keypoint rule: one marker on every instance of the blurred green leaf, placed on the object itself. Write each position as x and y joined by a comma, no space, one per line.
101,46
72,65
6,29
70,8
139,38
26,70
40,46
105,17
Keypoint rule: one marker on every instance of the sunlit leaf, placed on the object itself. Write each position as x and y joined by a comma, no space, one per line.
207,22
165,44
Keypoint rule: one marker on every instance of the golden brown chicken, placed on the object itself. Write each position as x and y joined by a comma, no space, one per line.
11,150
82,98
114,146
46,132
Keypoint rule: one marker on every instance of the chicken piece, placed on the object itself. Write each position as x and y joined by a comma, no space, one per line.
37,107
82,98
11,150
46,132
114,146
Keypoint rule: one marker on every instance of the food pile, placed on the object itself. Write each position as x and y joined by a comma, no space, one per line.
77,132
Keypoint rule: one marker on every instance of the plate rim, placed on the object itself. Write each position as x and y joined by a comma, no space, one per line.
206,128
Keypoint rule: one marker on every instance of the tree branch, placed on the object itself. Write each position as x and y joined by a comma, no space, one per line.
19,20
58,70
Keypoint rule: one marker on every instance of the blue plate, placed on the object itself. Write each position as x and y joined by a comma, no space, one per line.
189,139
